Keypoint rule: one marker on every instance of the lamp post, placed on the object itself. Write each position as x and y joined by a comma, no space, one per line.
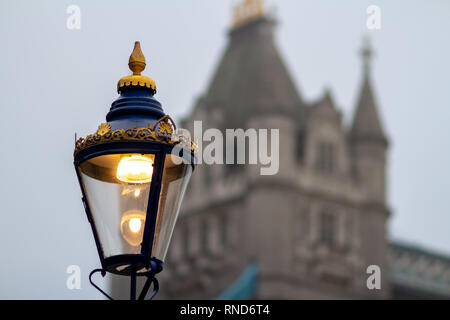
133,173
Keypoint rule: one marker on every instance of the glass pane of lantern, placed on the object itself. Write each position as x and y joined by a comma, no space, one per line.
177,173
117,187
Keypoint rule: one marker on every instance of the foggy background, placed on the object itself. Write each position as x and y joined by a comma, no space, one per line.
55,82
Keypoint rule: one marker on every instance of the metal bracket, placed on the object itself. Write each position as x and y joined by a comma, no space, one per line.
150,279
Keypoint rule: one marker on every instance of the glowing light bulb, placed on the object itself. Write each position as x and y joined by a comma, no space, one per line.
132,226
137,193
135,169
135,224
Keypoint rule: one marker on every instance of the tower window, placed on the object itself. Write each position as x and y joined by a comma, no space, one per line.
327,228
300,147
325,157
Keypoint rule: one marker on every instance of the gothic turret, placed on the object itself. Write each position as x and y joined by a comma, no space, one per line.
368,140
251,77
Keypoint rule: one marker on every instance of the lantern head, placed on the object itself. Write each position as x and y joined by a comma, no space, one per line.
133,173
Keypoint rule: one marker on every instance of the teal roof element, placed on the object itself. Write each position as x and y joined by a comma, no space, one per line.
418,269
244,287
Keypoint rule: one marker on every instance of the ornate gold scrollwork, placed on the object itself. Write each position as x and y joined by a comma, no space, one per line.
162,131
103,129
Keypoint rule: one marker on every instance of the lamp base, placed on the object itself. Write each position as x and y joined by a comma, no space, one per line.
132,269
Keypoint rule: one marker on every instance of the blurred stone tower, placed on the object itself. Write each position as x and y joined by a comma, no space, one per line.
313,228
308,232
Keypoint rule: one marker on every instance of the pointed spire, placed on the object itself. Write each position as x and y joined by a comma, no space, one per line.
325,108
366,55
327,96
366,122
326,100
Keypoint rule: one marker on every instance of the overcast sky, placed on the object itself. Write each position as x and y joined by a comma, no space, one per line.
56,82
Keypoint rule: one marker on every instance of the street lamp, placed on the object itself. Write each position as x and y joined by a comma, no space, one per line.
133,173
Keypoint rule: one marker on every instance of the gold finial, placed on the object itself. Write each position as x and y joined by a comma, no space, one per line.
137,60
247,11
137,64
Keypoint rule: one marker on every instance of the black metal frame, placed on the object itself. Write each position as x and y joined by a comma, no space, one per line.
144,259
155,267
